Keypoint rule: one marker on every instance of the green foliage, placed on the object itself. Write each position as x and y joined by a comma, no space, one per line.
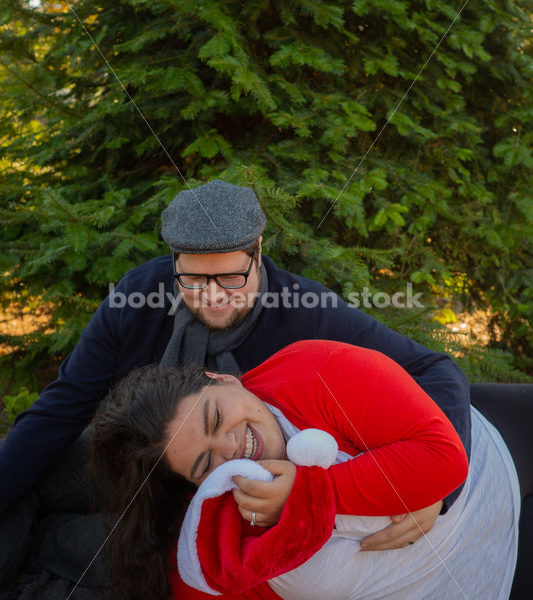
16,404
293,99
482,364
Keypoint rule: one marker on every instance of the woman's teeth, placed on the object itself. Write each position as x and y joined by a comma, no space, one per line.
251,444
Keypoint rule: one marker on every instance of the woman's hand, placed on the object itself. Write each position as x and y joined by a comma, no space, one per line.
265,498
404,529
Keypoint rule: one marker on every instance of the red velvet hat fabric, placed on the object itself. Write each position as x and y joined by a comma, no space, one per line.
235,556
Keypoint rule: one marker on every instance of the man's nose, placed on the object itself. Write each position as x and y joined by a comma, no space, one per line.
214,292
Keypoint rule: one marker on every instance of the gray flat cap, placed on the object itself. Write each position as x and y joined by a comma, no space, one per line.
215,217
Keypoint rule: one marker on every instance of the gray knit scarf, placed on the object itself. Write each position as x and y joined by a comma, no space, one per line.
192,343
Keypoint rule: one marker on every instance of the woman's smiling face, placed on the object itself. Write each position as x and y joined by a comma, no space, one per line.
222,422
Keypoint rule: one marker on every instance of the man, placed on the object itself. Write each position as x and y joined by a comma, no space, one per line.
237,308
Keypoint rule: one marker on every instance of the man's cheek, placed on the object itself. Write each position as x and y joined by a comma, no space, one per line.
238,300
194,300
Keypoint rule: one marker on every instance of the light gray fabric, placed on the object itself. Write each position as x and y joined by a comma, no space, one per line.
192,343
215,217
469,554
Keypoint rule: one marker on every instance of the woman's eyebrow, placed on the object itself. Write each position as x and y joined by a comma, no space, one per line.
206,416
197,462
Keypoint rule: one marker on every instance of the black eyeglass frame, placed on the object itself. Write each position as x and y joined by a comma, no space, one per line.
244,274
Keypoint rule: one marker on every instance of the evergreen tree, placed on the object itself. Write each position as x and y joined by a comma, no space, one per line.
306,101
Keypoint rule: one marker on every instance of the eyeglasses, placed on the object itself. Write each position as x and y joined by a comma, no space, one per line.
199,281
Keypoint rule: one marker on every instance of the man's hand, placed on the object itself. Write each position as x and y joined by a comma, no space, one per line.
403,529
265,498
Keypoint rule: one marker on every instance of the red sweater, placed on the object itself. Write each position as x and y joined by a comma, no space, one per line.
368,403
412,456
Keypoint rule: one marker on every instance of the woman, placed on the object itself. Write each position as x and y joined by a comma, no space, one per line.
404,455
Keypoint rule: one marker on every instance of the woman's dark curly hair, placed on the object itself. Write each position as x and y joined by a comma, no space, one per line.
131,477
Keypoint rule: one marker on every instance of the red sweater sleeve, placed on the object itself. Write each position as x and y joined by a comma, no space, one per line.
411,454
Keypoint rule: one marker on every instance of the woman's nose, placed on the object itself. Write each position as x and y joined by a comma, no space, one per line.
227,446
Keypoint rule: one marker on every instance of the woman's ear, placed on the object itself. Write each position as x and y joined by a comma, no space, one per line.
223,377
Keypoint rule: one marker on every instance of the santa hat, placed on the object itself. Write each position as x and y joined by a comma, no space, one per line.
219,552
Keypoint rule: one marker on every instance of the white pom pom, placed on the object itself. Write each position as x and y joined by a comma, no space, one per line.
312,447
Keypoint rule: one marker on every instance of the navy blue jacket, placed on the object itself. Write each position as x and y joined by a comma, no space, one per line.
116,340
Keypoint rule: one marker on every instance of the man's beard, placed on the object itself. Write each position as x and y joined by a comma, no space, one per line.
236,317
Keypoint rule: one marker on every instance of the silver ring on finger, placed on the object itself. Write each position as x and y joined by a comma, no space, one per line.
252,522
